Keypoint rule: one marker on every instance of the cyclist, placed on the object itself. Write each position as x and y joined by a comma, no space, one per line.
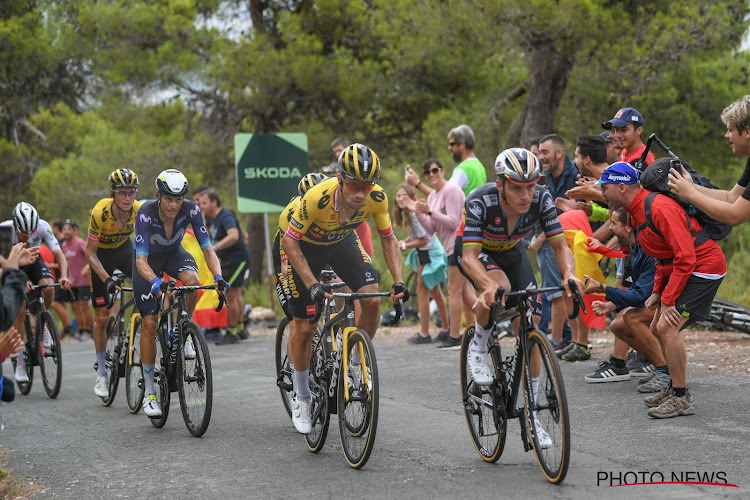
498,216
321,232
108,248
159,228
32,230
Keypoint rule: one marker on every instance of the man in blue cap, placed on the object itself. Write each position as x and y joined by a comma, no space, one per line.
625,129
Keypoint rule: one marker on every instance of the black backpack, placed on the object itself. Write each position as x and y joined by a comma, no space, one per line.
655,177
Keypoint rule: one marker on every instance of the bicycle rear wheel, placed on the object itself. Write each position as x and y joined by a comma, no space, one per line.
25,387
134,388
113,358
547,417
318,378
161,379
283,370
484,407
358,415
50,358
195,382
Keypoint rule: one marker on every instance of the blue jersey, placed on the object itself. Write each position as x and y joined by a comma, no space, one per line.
150,237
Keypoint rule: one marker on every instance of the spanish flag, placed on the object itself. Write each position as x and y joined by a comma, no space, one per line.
205,314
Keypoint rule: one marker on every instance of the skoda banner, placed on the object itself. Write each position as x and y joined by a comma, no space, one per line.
268,167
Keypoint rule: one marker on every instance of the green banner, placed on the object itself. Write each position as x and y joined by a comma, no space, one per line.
268,169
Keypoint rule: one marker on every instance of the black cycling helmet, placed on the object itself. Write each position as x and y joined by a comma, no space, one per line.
359,163
172,182
309,181
518,165
123,177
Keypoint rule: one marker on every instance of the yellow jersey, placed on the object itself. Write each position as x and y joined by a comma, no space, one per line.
103,225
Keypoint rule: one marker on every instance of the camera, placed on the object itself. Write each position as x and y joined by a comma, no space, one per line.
6,240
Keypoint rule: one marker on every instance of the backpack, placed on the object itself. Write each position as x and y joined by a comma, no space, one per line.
655,177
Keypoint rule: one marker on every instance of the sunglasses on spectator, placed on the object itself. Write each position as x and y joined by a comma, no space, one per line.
130,193
432,171
453,143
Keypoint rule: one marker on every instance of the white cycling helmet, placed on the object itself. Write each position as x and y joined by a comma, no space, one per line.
172,183
25,218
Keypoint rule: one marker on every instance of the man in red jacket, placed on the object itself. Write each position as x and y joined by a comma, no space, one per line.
687,277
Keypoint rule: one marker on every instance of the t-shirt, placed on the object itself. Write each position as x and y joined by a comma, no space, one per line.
74,254
745,181
150,234
475,174
218,228
103,225
447,206
43,233
636,155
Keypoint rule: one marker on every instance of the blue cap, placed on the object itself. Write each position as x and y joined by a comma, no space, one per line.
620,172
623,117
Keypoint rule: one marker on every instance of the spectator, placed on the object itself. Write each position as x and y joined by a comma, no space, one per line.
441,214
428,258
613,147
626,128
224,229
687,277
197,192
59,304
74,248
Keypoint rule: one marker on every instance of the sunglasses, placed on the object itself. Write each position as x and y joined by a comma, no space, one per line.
451,144
433,171
358,186
126,194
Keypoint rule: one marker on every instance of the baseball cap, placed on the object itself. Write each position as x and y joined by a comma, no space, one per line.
605,135
623,117
70,222
619,172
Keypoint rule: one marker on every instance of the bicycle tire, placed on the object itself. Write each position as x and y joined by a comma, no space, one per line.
318,378
25,387
361,411
283,370
161,380
195,380
134,386
112,355
483,406
722,316
551,407
50,359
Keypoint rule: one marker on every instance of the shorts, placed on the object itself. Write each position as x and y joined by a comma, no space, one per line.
551,275
120,258
81,293
515,264
423,257
454,259
37,271
282,288
348,260
173,264
695,300
234,273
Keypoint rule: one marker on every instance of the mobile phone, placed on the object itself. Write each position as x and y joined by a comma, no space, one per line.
6,240
408,167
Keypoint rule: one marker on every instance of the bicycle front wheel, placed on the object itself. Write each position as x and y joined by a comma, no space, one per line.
483,406
195,383
161,378
358,399
134,386
50,356
546,409
318,379
283,370
25,387
113,359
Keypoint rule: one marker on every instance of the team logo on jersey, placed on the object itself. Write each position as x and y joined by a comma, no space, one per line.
104,215
378,196
497,220
145,218
476,209
303,211
195,211
490,199
295,224
368,277
139,238
180,220
547,204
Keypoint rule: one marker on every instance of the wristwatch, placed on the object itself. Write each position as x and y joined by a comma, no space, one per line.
419,183
429,213
601,287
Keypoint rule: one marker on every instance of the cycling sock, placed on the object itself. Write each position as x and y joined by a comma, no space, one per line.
19,360
534,389
479,342
662,369
302,384
101,362
148,378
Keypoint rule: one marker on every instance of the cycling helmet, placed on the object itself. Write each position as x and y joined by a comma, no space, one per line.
123,177
25,218
518,165
172,183
359,163
309,181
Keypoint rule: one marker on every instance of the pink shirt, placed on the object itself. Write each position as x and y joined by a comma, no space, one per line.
447,206
74,254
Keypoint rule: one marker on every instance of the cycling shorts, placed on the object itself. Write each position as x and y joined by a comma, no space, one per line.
37,271
120,258
173,264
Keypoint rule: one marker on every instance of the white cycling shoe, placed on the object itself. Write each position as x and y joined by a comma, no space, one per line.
151,406
301,417
189,348
46,338
541,435
479,366
21,375
101,388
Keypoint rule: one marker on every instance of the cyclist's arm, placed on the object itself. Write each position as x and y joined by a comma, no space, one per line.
564,257
299,263
141,264
212,261
392,257
63,263
93,259
475,269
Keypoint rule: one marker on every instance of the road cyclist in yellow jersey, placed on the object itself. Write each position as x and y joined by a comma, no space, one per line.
320,233
108,248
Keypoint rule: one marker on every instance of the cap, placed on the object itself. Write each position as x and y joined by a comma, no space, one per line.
623,117
605,135
70,222
619,172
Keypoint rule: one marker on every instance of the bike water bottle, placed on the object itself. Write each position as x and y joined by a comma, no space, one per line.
171,337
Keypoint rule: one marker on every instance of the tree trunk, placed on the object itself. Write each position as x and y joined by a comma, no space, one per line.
256,246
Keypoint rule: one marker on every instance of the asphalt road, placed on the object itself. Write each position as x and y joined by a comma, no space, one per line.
72,447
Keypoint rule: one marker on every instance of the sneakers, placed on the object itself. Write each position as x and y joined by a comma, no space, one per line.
419,339
559,344
564,348
46,338
21,375
608,372
672,406
479,367
444,334
189,349
151,406
228,338
244,333
541,435
635,360
644,371
301,417
656,383
101,388
577,353
451,343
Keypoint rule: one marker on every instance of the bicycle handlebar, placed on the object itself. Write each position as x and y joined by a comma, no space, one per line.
578,302
68,293
355,296
172,285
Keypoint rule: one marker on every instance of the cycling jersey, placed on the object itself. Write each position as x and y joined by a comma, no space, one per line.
103,225
150,235
487,225
316,218
286,214
43,232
